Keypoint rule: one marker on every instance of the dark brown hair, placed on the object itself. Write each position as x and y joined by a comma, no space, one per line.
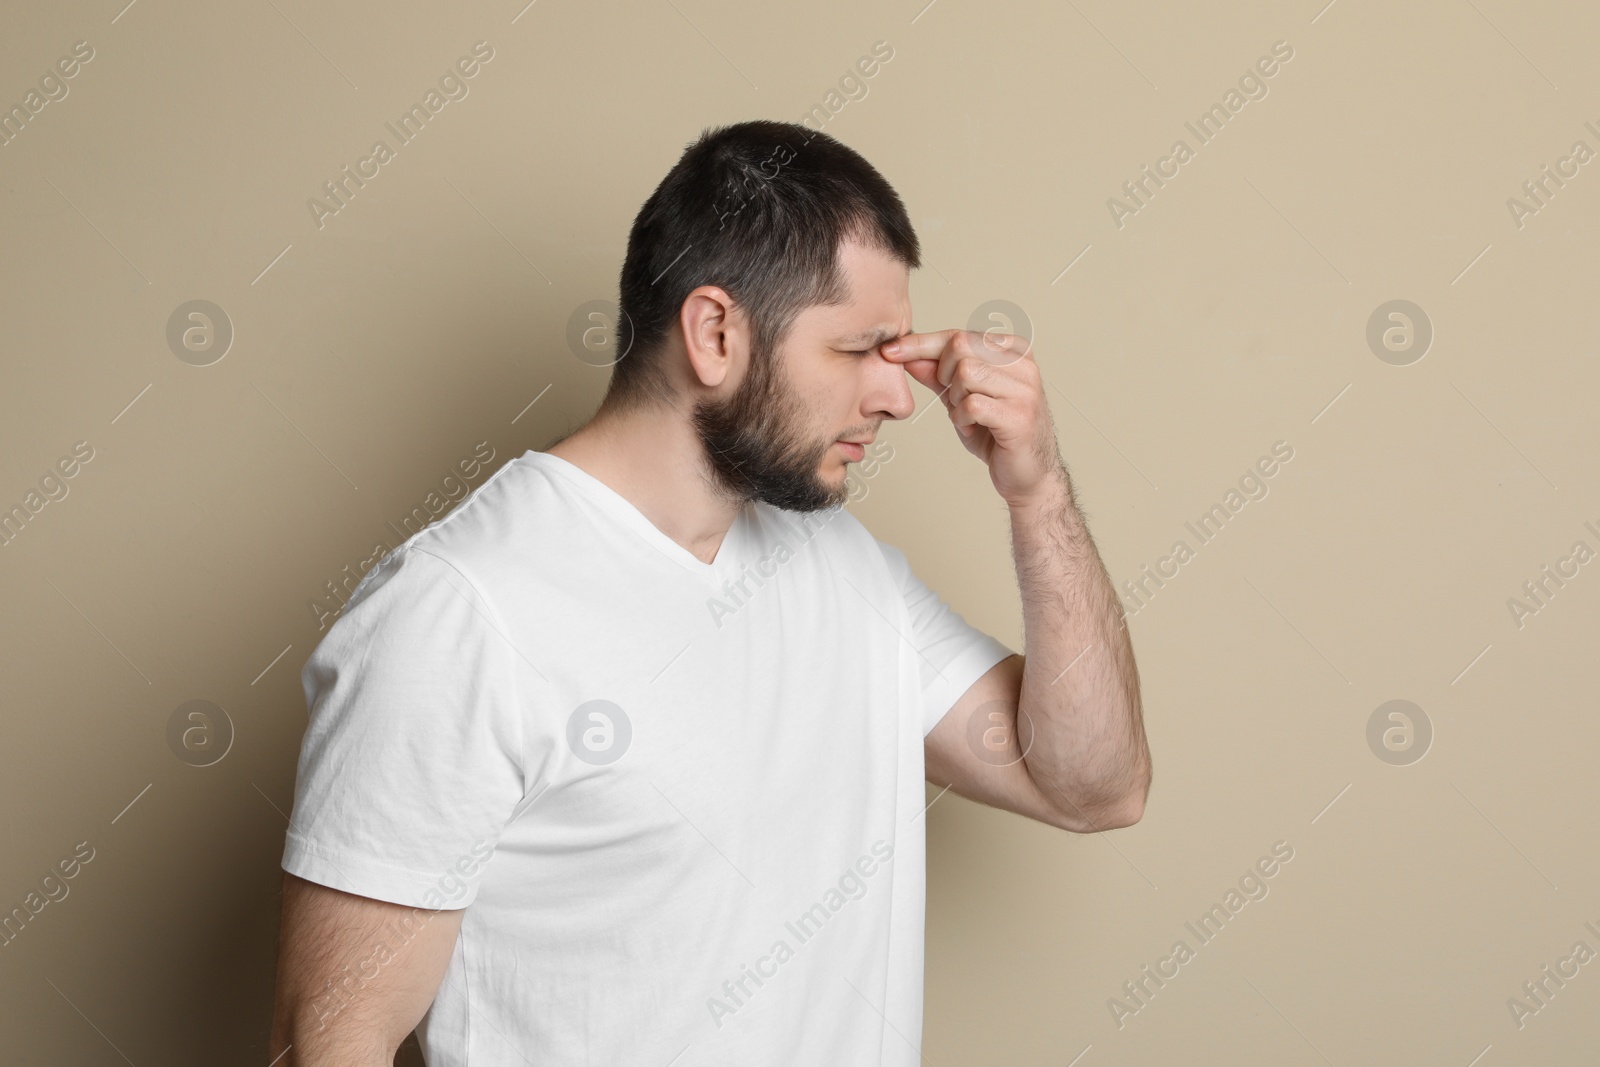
760,209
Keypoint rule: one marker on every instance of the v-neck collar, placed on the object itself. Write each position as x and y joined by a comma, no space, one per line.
620,507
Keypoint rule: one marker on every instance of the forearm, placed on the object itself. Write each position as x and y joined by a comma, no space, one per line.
1080,685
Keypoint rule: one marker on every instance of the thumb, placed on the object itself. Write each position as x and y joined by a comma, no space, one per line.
925,371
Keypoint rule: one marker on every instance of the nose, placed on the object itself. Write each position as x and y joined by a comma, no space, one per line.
891,389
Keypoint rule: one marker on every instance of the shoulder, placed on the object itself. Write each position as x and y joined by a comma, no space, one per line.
495,526
467,548
415,619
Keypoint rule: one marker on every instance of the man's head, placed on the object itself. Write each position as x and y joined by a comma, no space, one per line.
760,278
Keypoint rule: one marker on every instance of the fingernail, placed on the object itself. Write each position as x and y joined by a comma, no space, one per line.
892,348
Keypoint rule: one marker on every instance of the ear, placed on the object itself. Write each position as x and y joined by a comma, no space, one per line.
715,334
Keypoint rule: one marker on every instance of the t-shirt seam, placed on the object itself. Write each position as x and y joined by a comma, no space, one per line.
501,631
466,993
974,653
369,863
979,649
432,527
456,511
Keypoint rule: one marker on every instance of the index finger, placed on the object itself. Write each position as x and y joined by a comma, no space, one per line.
918,345
946,347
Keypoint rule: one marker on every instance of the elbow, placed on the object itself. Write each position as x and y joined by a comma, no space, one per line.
1131,809
1111,804
1115,816
1111,813
1129,812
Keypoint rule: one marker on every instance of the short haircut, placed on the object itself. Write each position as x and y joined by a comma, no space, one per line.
760,209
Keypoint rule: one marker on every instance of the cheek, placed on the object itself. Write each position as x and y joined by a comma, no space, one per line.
822,397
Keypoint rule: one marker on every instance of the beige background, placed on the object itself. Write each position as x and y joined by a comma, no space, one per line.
1230,312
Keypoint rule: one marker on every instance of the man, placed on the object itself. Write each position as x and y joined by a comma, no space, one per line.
659,709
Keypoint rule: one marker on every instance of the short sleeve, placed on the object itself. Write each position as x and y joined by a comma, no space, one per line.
412,762
953,652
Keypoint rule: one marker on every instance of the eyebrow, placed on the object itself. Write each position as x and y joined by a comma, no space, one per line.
870,338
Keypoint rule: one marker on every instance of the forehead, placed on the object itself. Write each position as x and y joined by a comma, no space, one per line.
877,306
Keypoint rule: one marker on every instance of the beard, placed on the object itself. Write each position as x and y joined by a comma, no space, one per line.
757,446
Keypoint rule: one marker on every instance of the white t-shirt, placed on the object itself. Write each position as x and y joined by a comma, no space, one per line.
684,801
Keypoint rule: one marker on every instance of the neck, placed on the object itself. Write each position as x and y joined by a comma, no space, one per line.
653,459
